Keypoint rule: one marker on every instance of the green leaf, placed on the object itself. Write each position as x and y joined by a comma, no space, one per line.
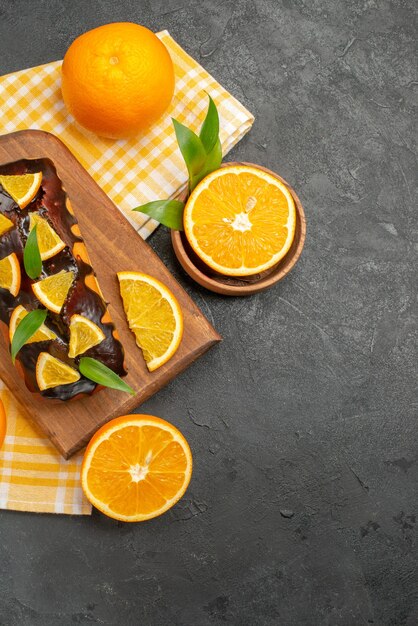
31,255
167,212
191,147
26,329
212,163
209,133
97,372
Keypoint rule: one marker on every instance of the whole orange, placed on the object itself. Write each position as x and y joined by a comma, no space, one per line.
117,79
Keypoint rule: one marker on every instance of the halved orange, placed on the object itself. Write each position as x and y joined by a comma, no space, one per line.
51,372
52,291
136,467
42,334
84,334
22,187
49,242
3,423
10,275
154,316
240,220
5,224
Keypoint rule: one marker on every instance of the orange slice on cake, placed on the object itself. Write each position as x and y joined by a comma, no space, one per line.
42,334
51,372
10,275
21,187
52,291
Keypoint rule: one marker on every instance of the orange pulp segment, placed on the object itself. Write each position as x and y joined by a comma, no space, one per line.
51,372
49,242
154,316
10,275
136,467
42,334
84,334
52,291
240,220
5,224
22,187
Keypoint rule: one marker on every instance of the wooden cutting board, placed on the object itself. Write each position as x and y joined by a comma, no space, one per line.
113,245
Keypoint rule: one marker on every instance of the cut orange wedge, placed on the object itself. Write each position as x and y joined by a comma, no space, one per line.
10,275
52,291
51,372
49,242
136,467
42,334
154,316
3,423
240,220
84,334
22,187
5,224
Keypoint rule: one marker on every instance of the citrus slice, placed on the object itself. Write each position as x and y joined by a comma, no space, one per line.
5,224
42,334
51,372
49,242
10,275
240,220
154,316
84,334
52,291
136,467
3,423
22,187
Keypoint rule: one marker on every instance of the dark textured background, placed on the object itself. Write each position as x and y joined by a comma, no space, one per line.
302,508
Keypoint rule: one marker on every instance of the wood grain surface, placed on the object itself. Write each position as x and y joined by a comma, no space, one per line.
113,246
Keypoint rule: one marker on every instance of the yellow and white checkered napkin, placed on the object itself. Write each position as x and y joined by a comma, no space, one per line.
33,475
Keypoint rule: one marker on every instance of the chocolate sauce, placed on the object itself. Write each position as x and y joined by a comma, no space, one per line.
50,203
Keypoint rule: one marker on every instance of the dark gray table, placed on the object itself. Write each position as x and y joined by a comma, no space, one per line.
303,504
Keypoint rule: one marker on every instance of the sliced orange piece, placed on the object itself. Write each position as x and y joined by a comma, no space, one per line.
84,334
42,334
240,220
22,187
10,275
52,291
51,372
3,423
154,316
5,224
49,242
136,467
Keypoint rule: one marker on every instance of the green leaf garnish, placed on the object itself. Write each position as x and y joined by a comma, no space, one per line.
209,133
97,372
202,155
212,163
191,147
26,329
31,255
167,212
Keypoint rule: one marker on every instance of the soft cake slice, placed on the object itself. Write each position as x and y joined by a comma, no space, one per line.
51,206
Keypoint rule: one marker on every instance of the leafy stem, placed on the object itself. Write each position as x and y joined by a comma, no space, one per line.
202,155
32,256
102,375
167,212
